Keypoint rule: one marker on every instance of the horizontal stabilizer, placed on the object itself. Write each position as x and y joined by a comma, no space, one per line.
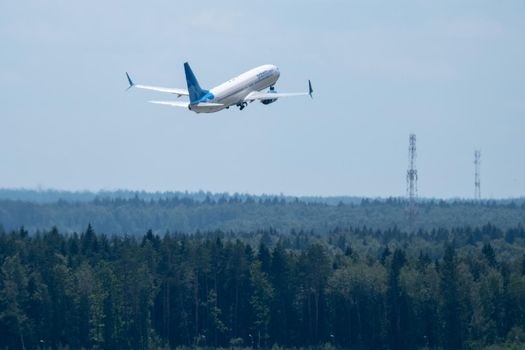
172,103
186,104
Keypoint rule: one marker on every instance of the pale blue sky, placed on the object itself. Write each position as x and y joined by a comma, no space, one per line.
453,72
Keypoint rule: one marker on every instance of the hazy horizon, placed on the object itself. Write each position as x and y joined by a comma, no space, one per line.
43,190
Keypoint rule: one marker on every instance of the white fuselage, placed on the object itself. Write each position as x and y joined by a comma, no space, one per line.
235,90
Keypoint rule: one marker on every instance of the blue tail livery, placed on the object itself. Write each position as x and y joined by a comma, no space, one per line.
197,94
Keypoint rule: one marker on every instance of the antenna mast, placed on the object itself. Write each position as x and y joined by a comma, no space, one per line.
477,182
412,181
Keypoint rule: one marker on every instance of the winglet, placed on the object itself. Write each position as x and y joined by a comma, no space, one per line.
310,90
131,84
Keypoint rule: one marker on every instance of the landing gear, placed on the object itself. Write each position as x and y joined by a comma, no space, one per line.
242,105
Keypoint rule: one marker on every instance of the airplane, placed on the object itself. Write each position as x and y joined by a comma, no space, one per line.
237,91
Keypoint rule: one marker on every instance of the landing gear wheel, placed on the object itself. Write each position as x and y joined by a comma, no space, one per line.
242,105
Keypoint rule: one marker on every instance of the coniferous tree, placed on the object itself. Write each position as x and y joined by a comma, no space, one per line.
450,303
395,301
13,296
260,302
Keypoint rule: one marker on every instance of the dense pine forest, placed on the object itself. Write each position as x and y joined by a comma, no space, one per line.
136,212
352,288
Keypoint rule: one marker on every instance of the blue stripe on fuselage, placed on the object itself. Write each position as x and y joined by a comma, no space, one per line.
206,98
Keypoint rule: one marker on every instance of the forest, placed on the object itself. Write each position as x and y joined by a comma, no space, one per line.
136,212
348,287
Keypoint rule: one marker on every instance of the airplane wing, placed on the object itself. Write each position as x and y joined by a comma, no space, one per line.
175,91
256,95
186,104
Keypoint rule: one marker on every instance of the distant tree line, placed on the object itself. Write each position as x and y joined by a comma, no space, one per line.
52,196
358,288
136,215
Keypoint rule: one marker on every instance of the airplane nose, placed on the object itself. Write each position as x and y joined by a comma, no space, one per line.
276,71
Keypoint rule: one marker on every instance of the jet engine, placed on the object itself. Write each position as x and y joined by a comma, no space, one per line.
270,100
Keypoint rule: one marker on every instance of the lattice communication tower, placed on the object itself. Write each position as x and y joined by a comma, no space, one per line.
477,181
412,181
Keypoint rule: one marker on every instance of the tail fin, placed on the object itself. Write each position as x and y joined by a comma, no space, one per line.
194,89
